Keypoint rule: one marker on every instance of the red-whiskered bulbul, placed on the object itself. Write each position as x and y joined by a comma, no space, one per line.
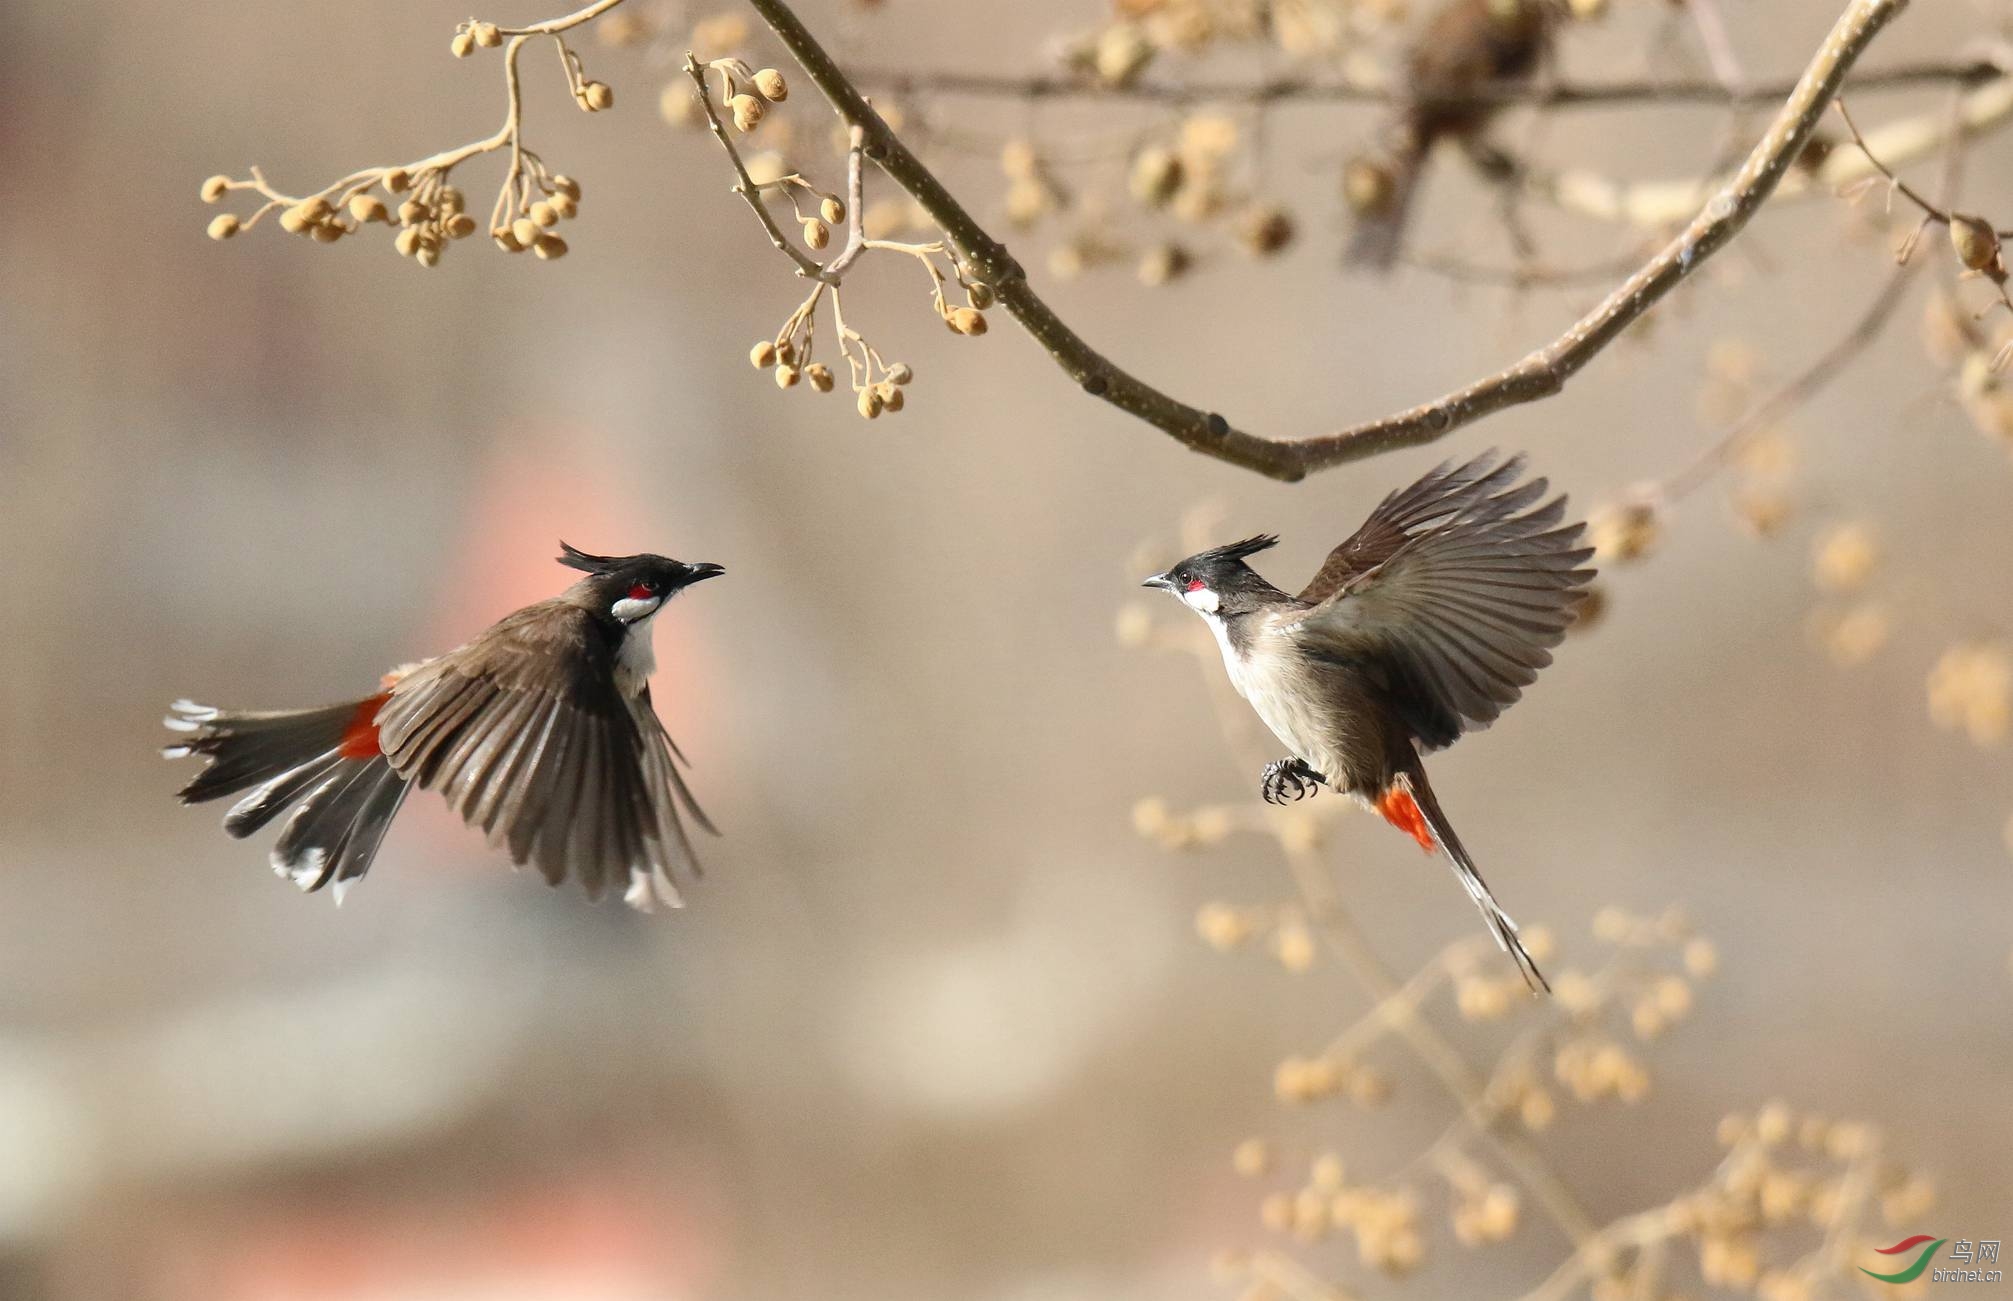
1429,621
1467,45
540,731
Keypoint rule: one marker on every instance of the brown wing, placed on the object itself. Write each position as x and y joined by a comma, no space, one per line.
1455,590
526,736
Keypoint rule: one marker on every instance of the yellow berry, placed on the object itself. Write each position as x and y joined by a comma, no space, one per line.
567,186
820,376
786,376
772,86
543,213
747,112
460,226
216,188
295,220
762,355
1977,246
462,43
899,373
407,242
412,212
816,233
397,181
223,226
549,247
486,35
832,210
967,320
870,404
368,207
891,397
564,204
526,231
597,96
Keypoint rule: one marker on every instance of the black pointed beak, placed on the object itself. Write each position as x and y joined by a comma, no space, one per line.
1161,581
702,571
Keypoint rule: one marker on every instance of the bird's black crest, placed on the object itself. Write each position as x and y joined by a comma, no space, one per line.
574,558
1240,550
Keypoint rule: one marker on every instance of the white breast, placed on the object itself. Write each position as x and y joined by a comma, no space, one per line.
637,659
1279,684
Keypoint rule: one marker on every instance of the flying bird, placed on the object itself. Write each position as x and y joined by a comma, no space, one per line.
1429,621
540,732
1465,47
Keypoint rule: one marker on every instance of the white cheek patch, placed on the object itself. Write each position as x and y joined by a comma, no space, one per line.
629,610
1201,600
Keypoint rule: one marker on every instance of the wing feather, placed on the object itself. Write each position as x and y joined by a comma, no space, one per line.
526,735
1460,585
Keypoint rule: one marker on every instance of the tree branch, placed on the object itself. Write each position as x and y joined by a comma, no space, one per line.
1617,94
1540,375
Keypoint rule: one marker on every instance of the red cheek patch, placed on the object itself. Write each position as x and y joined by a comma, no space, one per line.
639,593
1194,585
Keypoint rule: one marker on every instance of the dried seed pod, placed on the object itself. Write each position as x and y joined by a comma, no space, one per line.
486,35
328,232
428,254
816,233
899,373
980,294
506,239
1265,229
564,204
1162,263
525,230
1976,244
407,242
397,181
316,207
772,86
567,186
452,200
543,213
549,247
223,225
368,207
820,376
786,377
1368,186
832,210
295,220
597,96
412,212
786,352
967,320
747,112
216,188
891,397
460,226
762,355
462,44
1156,175
870,404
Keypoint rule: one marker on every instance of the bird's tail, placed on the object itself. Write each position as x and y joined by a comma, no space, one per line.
1379,231
323,764
1409,804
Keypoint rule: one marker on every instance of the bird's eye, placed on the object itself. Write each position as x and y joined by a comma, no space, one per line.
1193,585
641,592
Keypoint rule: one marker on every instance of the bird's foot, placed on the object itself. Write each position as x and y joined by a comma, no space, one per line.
1286,780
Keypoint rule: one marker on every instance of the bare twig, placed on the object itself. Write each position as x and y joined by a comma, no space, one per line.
807,265
1288,90
1540,375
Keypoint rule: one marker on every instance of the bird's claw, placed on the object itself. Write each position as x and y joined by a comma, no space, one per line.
1287,780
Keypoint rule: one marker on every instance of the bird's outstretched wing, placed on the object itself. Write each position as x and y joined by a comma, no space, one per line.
526,735
1454,591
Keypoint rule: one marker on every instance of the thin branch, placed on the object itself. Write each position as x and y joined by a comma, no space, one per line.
1798,390
1540,375
807,266
1287,90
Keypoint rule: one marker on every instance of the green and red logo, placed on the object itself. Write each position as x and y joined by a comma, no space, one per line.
1922,1259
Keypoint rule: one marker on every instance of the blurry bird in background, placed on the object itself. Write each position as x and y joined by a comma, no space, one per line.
1429,621
540,731
1468,45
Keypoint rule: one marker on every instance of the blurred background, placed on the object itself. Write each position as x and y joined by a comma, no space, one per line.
936,1022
